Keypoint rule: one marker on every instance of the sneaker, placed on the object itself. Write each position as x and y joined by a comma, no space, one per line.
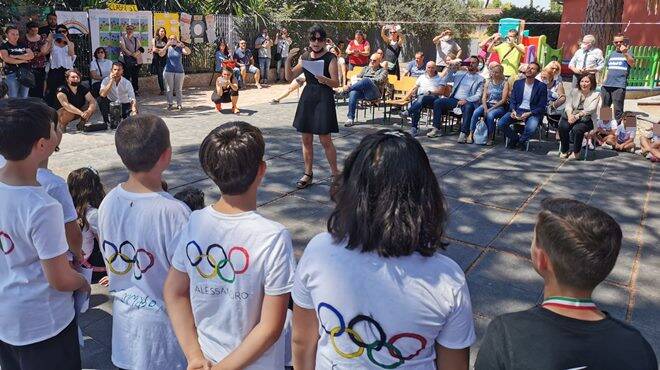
649,156
584,142
591,146
274,101
470,139
218,107
349,123
178,107
170,107
414,131
461,138
403,114
489,142
606,146
639,152
563,155
433,133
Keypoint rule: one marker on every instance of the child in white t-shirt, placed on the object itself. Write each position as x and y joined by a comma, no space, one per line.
375,291
625,134
650,143
57,188
228,289
87,192
36,280
604,134
137,222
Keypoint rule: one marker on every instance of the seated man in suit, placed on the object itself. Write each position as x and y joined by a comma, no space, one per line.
528,102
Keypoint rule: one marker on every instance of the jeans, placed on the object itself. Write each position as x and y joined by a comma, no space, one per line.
444,105
16,90
174,84
39,83
365,89
530,126
158,67
490,118
278,67
131,73
579,128
264,65
615,95
415,109
237,74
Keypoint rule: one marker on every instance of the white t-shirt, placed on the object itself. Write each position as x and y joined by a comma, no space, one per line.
105,65
399,305
136,232
624,133
527,96
226,301
607,125
57,188
91,231
443,48
425,84
31,230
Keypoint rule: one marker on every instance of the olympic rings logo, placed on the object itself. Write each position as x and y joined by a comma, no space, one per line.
216,262
128,256
370,348
6,242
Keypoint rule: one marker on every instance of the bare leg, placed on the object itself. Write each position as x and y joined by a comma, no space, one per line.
234,104
257,78
655,149
308,151
64,117
330,152
293,86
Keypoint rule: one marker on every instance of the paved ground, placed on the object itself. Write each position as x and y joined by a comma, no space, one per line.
493,195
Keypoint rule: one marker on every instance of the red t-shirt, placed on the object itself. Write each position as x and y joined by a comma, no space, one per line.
358,60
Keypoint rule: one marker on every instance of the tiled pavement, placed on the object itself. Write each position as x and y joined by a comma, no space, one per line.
493,195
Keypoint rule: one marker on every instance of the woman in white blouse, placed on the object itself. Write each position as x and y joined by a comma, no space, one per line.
62,56
99,69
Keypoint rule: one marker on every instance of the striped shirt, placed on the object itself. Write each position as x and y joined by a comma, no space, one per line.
617,70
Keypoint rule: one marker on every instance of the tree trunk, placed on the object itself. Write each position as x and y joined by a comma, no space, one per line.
603,11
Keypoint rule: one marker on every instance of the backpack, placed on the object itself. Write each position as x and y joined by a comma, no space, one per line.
480,134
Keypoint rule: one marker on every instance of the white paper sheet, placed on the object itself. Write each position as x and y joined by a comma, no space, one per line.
315,67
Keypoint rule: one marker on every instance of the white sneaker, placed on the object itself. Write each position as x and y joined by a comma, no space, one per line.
349,123
591,146
433,133
461,138
584,142
606,146
414,131
403,114
638,152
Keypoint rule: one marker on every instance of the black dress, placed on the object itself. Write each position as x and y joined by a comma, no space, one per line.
316,113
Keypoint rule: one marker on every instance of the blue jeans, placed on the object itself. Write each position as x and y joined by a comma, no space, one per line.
264,65
530,126
16,90
415,109
365,89
492,115
444,105
237,75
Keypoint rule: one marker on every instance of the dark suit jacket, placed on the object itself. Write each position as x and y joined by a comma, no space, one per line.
539,99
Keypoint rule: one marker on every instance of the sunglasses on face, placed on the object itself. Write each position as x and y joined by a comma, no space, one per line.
317,39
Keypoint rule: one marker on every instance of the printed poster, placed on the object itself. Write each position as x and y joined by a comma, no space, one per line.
168,20
76,22
210,27
107,27
185,21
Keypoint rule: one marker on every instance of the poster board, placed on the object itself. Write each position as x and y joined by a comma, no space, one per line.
107,27
76,22
168,20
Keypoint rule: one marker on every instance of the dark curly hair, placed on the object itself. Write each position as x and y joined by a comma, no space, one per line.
86,190
387,198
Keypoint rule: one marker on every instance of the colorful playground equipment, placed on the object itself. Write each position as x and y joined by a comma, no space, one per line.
536,47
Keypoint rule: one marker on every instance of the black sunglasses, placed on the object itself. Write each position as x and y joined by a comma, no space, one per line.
319,39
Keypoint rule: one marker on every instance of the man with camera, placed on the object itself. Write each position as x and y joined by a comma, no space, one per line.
62,56
619,63
118,90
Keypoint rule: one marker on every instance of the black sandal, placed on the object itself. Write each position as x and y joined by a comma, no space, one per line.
301,184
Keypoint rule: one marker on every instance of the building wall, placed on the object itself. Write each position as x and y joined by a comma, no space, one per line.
634,11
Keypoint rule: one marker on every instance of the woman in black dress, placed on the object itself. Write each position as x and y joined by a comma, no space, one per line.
316,114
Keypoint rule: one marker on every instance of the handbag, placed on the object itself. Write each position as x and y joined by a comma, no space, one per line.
25,77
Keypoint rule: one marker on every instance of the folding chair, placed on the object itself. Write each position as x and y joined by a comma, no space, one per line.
401,88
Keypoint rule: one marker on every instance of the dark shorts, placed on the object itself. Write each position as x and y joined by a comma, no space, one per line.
225,97
61,351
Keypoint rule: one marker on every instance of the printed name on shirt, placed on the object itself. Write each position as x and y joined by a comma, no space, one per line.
216,262
120,260
6,243
139,301
232,294
363,341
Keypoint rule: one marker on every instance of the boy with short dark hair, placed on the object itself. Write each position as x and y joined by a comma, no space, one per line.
574,249
36,280
228,289
137,222
192,197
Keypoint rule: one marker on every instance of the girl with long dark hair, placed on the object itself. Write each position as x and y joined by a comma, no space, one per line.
158,62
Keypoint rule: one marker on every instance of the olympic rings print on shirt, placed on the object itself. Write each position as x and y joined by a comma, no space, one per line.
6,244
128,256
375,346
212,263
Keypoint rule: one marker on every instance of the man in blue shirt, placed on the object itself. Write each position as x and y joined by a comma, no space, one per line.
466,94
417,67
244,59
619,63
